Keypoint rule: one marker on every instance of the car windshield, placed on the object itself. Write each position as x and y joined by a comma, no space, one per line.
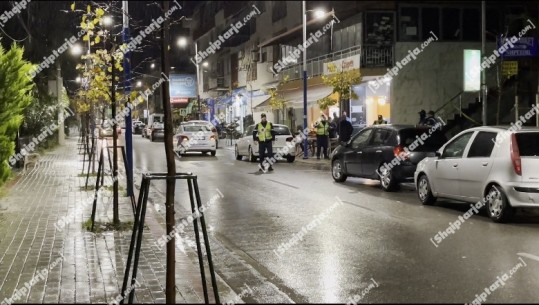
281,130
528,144
195,128
432,143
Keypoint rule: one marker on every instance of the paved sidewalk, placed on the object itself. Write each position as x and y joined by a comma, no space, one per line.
82,267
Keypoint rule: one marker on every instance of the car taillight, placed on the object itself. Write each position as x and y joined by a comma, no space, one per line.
214,129
183,138
212,138
515,155
398,150
289,139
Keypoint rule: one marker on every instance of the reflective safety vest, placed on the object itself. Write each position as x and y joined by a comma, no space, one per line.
264,134
322,129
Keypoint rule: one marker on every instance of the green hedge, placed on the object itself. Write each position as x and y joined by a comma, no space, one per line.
15,95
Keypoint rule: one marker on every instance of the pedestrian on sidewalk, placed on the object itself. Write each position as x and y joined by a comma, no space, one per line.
345,129
264,134
422,117
322,136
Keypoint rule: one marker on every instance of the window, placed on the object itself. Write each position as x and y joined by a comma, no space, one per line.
482,145
260,5
378,29
249,131
380,137
409,24
361,139
196,128
430,22
278,10
456,148
471,21
528,144
432,143
451,24
281,131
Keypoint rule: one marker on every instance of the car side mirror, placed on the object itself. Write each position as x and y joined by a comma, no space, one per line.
438,154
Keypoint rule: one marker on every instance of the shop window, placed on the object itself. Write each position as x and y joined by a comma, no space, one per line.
409,24
430,22
471,21
451,24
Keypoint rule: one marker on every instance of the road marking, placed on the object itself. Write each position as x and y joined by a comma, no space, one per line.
297,188
375,211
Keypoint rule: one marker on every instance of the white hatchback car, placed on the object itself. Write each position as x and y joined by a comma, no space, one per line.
245,146
491,163
195,137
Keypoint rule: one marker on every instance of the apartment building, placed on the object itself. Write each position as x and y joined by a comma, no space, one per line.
377,36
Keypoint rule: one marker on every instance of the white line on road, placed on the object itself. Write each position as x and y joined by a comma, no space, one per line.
530,256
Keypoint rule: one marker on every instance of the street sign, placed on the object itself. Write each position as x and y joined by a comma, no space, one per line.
524,47
472,69
509,68
145,113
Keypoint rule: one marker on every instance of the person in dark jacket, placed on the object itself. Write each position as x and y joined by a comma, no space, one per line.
422,117
264,134
431,120
345,129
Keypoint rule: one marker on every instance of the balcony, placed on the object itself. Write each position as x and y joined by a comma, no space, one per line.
372,56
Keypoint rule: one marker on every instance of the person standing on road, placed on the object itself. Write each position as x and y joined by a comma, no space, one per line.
380,120
322,137
264,135
345,129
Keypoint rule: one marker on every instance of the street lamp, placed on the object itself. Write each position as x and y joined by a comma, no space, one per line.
152,65
139,84
76,49
107,21
78,79
182,42
205,64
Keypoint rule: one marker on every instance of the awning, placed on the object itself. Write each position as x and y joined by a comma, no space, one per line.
257,100
294,97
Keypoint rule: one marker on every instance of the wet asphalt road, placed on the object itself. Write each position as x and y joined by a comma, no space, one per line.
371,237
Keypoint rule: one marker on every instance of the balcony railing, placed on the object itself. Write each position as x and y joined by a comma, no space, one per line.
371,56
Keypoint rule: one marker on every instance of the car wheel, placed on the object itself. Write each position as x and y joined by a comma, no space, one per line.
151,137
337,171
213,153
290,159
424,191
498,207
387,180
252,157
237,153
216,144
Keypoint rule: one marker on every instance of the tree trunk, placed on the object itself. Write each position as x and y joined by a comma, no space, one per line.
115,203
170,290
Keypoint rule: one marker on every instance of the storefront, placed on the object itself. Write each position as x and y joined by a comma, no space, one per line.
370,102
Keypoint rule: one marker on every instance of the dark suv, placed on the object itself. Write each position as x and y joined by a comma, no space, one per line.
389,153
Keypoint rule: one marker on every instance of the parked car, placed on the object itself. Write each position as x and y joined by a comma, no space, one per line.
156,131
211,127
245,146
484,162
195,137
138,126
372,154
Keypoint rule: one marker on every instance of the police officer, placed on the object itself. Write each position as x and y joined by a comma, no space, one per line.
322,136
264,134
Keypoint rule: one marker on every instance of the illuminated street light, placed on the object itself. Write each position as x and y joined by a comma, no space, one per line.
139,84
76,49
107,21
205,64
78,79
182,42
319,14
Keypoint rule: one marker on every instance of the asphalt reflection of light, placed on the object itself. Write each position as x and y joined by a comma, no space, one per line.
330,278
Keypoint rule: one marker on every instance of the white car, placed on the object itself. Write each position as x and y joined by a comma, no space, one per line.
211,126
491,163
195,137
245,146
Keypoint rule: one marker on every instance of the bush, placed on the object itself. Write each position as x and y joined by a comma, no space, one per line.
15,95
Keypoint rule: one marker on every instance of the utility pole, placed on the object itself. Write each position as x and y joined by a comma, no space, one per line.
483,53
170,290
127,90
